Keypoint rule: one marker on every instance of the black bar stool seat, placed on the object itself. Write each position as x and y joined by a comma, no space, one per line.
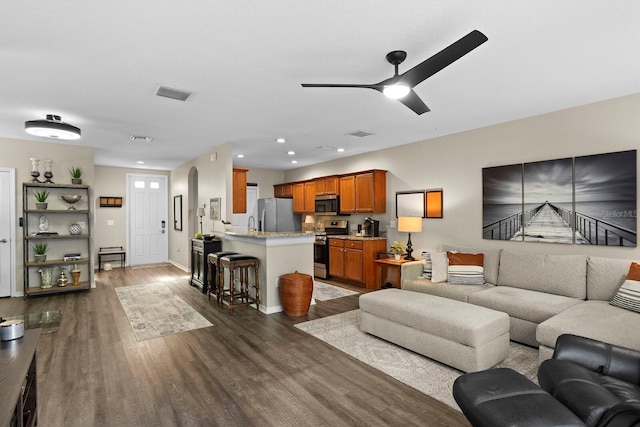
239,266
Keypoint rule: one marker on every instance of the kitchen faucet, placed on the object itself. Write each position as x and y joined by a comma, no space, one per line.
251,221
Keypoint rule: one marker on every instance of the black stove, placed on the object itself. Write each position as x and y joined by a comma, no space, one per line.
338,227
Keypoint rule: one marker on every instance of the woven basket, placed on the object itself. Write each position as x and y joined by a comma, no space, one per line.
296,290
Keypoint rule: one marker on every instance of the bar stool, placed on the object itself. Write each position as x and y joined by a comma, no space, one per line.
238,297
213,261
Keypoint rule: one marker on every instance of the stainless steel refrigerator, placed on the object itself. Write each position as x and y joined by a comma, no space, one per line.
277,215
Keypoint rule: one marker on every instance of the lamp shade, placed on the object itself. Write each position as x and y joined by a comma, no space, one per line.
309,220
201,212
52,127
410,224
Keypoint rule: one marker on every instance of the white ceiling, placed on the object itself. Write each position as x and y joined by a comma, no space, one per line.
98,64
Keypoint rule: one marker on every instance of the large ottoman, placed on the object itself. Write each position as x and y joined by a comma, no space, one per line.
465,336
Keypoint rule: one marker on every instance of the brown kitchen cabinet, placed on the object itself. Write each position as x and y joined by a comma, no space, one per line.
351,260
327,185
304,197
364,192
283,190
240,190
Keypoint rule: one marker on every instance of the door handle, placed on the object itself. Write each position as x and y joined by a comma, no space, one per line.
3,241
164,224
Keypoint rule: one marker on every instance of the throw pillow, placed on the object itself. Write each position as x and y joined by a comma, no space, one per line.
426,266
466,269
439,265
628,296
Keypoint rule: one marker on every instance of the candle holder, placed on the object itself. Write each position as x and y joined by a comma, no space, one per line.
34,169
47,171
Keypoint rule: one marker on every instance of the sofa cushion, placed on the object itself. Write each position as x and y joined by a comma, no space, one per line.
597,320
439,265
522,303
628,296
605,276
443,289
491,260
465,268
553,274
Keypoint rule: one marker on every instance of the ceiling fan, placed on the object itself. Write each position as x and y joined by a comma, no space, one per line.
400,86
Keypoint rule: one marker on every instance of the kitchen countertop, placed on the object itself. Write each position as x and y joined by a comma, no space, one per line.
269,234
353,237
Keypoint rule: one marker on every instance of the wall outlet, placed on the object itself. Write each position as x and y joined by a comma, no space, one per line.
82,224
109,222
393,224
177,249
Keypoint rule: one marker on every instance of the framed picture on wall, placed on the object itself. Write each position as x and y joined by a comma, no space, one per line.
410,203
214,208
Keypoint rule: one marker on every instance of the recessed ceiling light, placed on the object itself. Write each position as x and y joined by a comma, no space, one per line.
294,161
280,140
291,153
340,150
240,156
140,162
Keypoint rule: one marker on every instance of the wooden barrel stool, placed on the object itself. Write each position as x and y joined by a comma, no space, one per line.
213,262
239,266
296,290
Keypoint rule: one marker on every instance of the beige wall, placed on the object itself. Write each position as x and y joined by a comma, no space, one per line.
455,164
266,179
16,154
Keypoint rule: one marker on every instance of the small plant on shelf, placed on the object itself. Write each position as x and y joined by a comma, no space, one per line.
397,249
227,224
76,174
41,199
40,251
198,235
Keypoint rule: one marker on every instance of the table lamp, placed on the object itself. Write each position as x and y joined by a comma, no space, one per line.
201,214
409,224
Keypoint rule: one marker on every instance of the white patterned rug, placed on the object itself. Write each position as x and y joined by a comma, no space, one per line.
324,291
342,331
154,311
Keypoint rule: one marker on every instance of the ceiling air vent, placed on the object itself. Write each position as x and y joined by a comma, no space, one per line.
359,134
167,92
140,138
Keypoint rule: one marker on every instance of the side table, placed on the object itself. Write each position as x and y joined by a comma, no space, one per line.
388,271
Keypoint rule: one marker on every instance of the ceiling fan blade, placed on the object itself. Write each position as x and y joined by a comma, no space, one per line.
413,101
445,57
339,85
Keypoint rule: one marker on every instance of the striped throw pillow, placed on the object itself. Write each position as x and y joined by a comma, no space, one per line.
466,269
426,266
628,296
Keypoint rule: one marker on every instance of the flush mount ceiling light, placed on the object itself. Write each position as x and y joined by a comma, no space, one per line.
280,140
52,127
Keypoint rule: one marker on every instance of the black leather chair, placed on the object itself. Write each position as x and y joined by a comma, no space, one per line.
587,382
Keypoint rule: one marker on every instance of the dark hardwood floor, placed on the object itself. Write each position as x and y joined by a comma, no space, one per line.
248,369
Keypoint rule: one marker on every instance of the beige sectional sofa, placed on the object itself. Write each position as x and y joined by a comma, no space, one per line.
544,295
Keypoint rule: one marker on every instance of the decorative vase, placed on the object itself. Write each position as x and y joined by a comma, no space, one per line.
41,205
47,171
296,290
63,279
34,169
75,276
396,257
75,229
76,181
46,277
40,257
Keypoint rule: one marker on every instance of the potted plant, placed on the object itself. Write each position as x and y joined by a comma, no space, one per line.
41,199
40,250
397,249
198,235
76,174
227,224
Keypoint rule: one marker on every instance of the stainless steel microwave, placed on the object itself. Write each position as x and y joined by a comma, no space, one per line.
327,205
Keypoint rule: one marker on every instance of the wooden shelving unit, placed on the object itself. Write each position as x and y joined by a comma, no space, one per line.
59,218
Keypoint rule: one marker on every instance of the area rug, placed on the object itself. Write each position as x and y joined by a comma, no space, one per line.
324,291
342,331
154,311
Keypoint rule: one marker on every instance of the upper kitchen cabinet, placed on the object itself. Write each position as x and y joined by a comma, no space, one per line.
327,185
240,190
304,197
364,192
283,190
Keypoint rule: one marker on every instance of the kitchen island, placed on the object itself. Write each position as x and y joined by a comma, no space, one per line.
279,253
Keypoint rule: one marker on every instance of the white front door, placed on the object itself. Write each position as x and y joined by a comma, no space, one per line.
147,219
7,233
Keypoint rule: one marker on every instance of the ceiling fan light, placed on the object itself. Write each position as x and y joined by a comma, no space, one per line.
396,91
52,127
